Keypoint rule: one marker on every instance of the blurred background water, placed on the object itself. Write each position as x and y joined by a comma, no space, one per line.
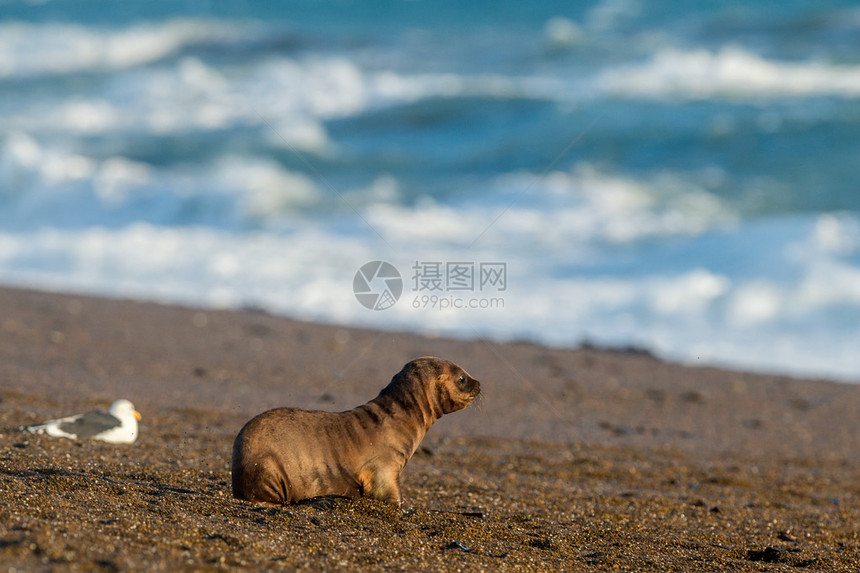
677,176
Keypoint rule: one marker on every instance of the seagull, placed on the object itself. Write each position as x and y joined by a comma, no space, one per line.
117,426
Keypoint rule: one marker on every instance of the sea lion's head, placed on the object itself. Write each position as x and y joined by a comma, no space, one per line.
453,387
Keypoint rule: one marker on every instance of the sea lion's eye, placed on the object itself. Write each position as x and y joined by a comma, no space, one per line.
461,381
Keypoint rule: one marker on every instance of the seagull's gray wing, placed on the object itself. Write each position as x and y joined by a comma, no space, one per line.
90,424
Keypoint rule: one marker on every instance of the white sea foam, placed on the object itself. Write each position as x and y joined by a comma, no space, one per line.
655,260
291,99
35,49
326,86
297,95
307,273
562,33
729,72
685,309
597,207
606,14
52,187
288,99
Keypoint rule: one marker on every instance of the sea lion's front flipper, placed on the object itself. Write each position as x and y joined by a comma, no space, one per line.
381,480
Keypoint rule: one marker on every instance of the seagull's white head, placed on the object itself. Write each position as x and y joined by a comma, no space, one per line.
124,410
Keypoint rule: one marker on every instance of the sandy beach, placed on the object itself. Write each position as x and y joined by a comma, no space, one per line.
572,459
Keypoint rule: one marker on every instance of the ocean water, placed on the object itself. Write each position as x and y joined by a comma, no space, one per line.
678,177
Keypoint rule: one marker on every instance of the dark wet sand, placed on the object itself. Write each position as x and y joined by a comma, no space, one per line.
579,459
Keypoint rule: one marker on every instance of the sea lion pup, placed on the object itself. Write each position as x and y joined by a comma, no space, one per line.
288,455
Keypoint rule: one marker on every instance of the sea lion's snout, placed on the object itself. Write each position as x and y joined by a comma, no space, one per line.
461,390
471,386
467,384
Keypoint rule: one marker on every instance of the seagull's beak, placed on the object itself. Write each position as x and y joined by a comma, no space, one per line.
137,415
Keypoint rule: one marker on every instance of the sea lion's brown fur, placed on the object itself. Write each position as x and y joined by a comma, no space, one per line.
287,454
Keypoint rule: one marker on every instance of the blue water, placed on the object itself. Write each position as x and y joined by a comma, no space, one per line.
682,178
